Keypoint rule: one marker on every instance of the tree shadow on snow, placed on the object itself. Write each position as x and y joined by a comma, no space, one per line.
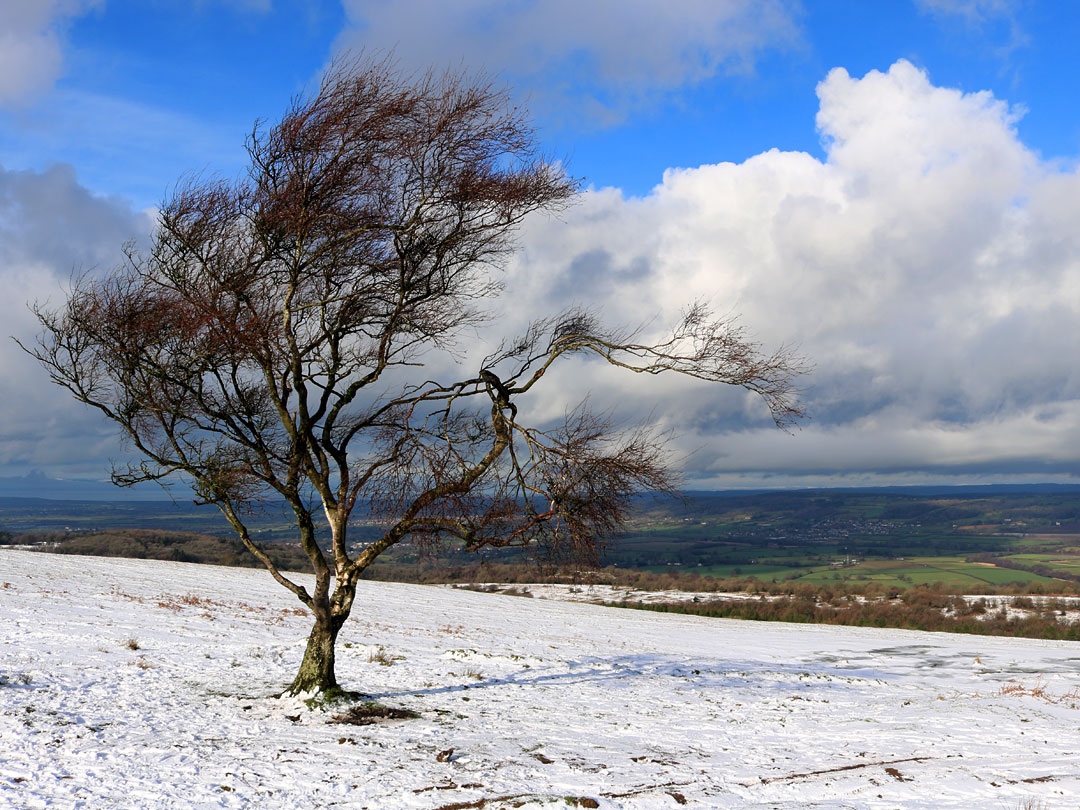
702,674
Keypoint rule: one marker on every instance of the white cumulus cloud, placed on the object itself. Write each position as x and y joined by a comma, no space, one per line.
929,267
50,228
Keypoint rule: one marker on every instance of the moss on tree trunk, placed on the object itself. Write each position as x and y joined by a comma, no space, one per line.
316,673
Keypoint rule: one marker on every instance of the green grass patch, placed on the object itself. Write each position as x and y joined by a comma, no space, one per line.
950,571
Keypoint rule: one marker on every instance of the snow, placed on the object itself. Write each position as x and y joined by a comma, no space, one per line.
598,593
142,684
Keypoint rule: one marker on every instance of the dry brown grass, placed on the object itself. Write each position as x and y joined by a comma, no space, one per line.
1036,688
382,657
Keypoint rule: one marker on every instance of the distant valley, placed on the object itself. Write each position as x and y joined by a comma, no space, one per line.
967,538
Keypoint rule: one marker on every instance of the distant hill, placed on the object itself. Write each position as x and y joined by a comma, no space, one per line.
919,490
38,485
892,537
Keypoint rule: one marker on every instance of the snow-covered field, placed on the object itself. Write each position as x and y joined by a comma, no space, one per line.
138,684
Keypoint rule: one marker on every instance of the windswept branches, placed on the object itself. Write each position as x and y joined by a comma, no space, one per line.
572,486
717,350
700,346
558,492
269,343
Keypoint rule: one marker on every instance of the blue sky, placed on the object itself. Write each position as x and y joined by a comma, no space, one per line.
890,185
165,86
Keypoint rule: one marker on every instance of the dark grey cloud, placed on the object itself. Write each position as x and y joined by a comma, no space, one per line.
49,220
51,227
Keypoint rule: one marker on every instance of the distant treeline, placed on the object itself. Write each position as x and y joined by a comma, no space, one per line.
917,608
150,544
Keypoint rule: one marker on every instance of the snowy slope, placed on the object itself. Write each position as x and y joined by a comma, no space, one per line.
539,700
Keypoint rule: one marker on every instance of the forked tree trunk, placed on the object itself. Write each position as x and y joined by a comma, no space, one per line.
317,669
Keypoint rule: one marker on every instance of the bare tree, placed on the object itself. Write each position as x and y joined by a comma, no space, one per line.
271,342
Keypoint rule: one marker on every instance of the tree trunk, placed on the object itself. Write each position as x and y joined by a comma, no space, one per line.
317,669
